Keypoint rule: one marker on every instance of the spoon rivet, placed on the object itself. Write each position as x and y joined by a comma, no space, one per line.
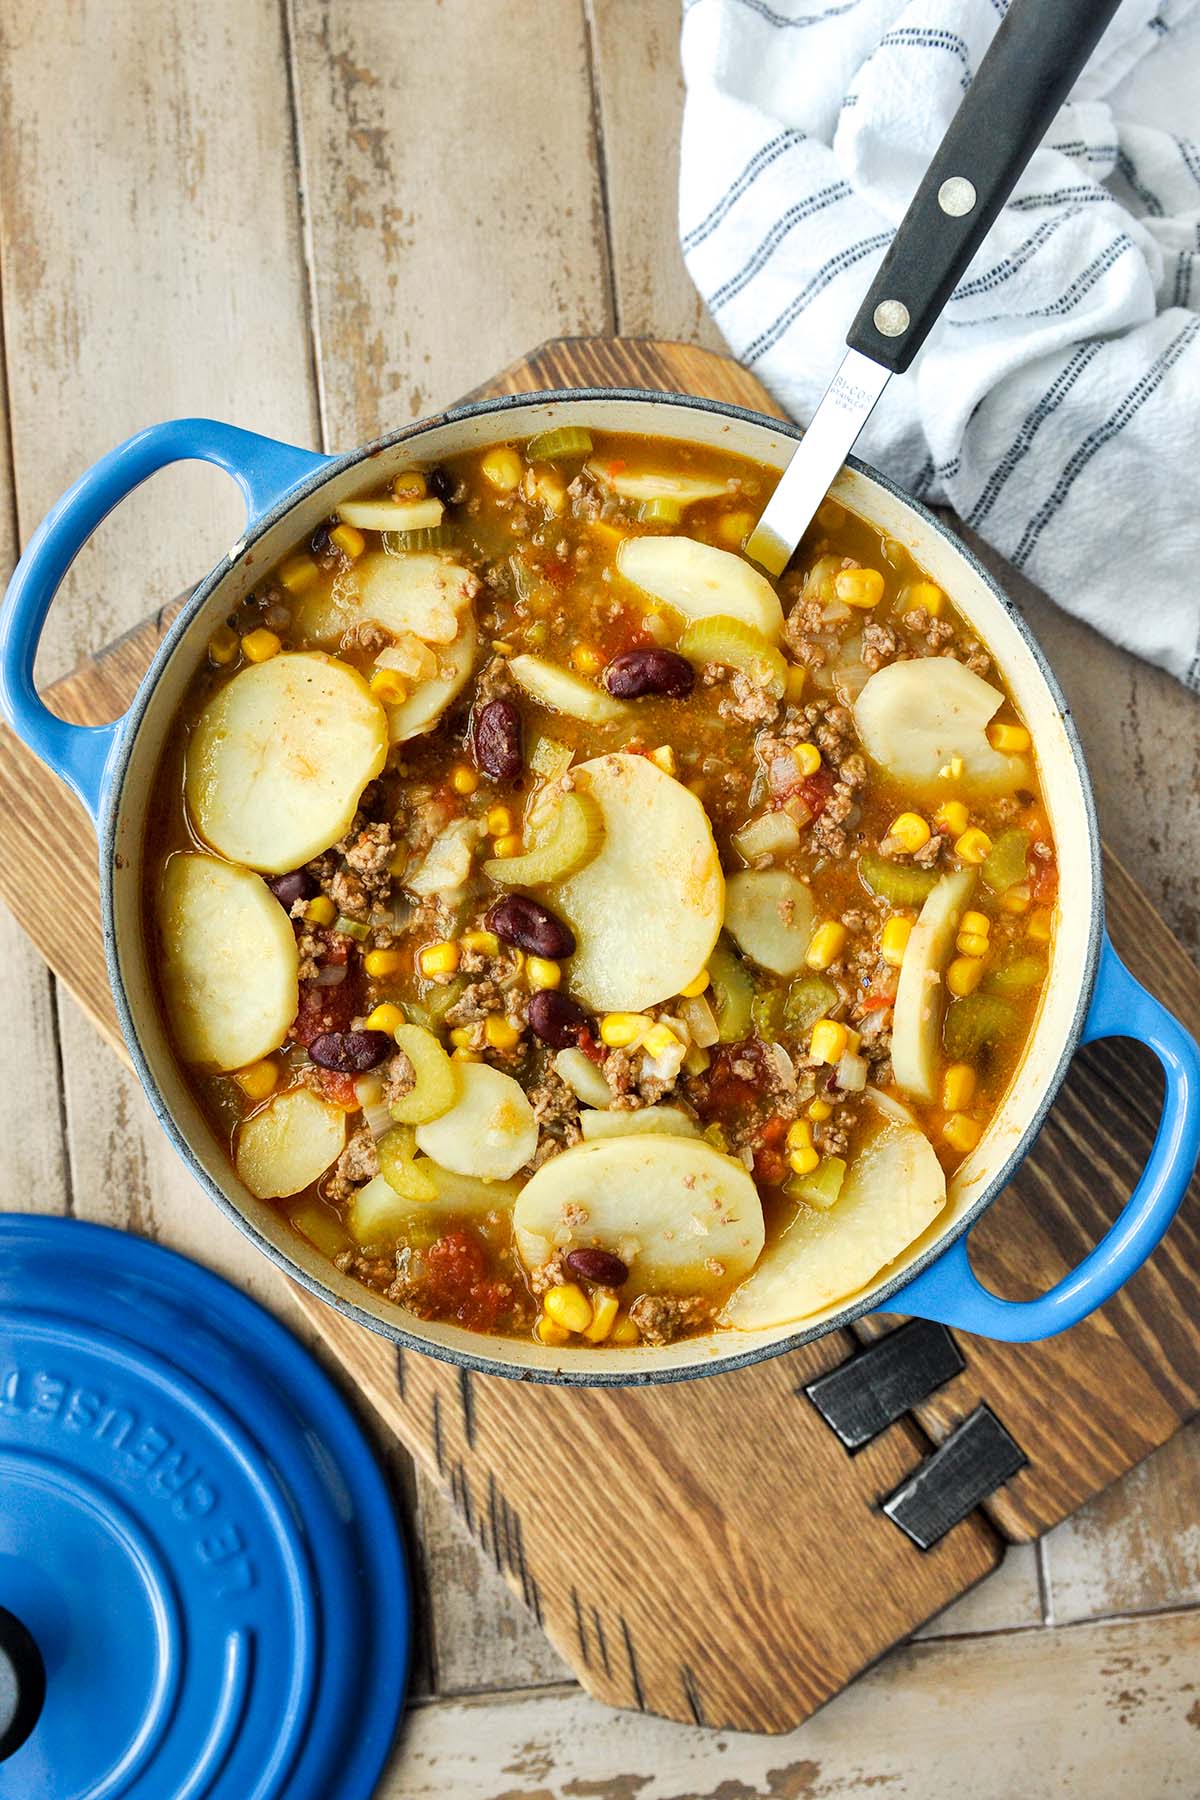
956,196
891,318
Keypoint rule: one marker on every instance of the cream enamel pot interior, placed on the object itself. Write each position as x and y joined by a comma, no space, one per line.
288,492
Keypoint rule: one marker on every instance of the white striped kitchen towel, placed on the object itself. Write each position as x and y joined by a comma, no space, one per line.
1056,405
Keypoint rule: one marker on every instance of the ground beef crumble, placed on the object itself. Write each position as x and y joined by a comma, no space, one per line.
661,1318
359,1162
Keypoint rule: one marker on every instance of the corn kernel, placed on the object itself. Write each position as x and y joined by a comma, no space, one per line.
624,1332
502,468
830,515
460,1037
808,758
586,660
385,1017
893,940
1016,899
261,645
734,528
389,687
568,1305
658,1040
383,962
926,594
664,758
542,972
463,779
439,959
508,845
498,820
976,922
964,975
826,946
1039,926
258,1079
802,1158
462,1054
500,1033
695,986
799,1135
971,943
350,542
909,831
621,1030
550,1334
604,1316
952,816
321,911
859,587
1010,740
853,1040
962,1132
502,647
829,1039
298,573
973,846
793,684
410,484
486,943
958,1087
820,1110
222,646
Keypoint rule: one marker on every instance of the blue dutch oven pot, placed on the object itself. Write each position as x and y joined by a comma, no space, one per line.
288,492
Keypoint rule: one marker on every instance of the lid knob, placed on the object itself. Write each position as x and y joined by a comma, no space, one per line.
22,1683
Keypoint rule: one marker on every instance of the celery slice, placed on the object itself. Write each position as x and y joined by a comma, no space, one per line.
732,994
720,638
428,537
900,883
351,928
1019,974
809,998
436,1087
1005,863
976,1021
767,1014
398,1164
574,834
567,440
662,510
550,758
822,1187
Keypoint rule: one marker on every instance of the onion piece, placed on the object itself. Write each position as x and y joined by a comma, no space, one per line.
378,1119
852,1072
330,975
785,1068
700,1020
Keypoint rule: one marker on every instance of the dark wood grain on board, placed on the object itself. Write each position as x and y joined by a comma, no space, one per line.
710,1551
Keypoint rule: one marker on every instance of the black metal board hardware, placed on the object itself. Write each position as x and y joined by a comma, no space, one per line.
978,1457
869,1392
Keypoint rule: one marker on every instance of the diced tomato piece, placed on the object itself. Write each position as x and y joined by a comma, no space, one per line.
327,1008
1043,881
769,1167
876,1002
615,464
337,1088
458,1287
772,1131
816,790
591,1049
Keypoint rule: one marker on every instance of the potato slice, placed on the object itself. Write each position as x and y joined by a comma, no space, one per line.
583,1077
552,685
700,580
378,1212
666,1121
289,1143
426,704
915,717
769,916
391,515
279,758
656,484
920,995
229,964
647,909
674,1209
419,592
893,1191
489,1132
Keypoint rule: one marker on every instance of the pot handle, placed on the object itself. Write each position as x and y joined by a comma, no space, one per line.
948,1290
264,471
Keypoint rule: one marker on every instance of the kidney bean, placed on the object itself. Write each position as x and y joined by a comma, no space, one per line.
497,740
351,1052
597,1265
298,884
319,541
530,926
556,1018
441,484
650,671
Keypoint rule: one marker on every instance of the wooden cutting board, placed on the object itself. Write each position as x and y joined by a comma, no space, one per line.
713,1550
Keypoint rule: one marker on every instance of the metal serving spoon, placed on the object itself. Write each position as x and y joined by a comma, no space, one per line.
1031,64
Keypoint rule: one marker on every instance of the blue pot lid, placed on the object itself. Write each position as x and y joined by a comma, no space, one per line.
196,1543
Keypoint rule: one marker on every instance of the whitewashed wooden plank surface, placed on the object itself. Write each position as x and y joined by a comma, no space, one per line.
1107,1711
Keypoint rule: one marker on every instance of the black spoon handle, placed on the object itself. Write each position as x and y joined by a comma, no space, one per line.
1033,60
